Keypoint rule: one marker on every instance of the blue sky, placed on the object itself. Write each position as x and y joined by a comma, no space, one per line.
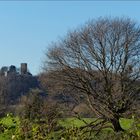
28,27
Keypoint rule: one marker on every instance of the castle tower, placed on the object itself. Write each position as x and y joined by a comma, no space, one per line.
23,68
12,69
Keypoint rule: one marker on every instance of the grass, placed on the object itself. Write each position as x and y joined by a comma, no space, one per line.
126,123
70,122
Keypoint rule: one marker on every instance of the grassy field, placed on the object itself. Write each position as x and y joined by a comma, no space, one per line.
11,123
69,122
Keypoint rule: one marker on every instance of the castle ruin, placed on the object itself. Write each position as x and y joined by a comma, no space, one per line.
23,70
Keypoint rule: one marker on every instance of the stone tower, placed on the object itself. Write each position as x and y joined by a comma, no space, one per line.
23,68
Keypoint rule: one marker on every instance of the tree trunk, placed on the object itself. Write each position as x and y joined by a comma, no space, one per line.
116,124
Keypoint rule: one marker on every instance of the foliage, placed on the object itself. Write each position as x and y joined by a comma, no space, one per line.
69,129
33,105
8,126
73,133
12,87
38,119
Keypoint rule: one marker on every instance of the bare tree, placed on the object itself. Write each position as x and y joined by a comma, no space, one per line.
101,61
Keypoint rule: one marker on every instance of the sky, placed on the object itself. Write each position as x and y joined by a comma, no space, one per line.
28,27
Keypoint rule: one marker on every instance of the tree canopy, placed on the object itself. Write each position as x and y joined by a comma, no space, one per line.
100,60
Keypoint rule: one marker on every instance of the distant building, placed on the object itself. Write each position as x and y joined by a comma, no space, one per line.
23,68
6,71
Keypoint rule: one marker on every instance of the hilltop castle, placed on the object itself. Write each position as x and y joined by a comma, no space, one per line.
23,70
